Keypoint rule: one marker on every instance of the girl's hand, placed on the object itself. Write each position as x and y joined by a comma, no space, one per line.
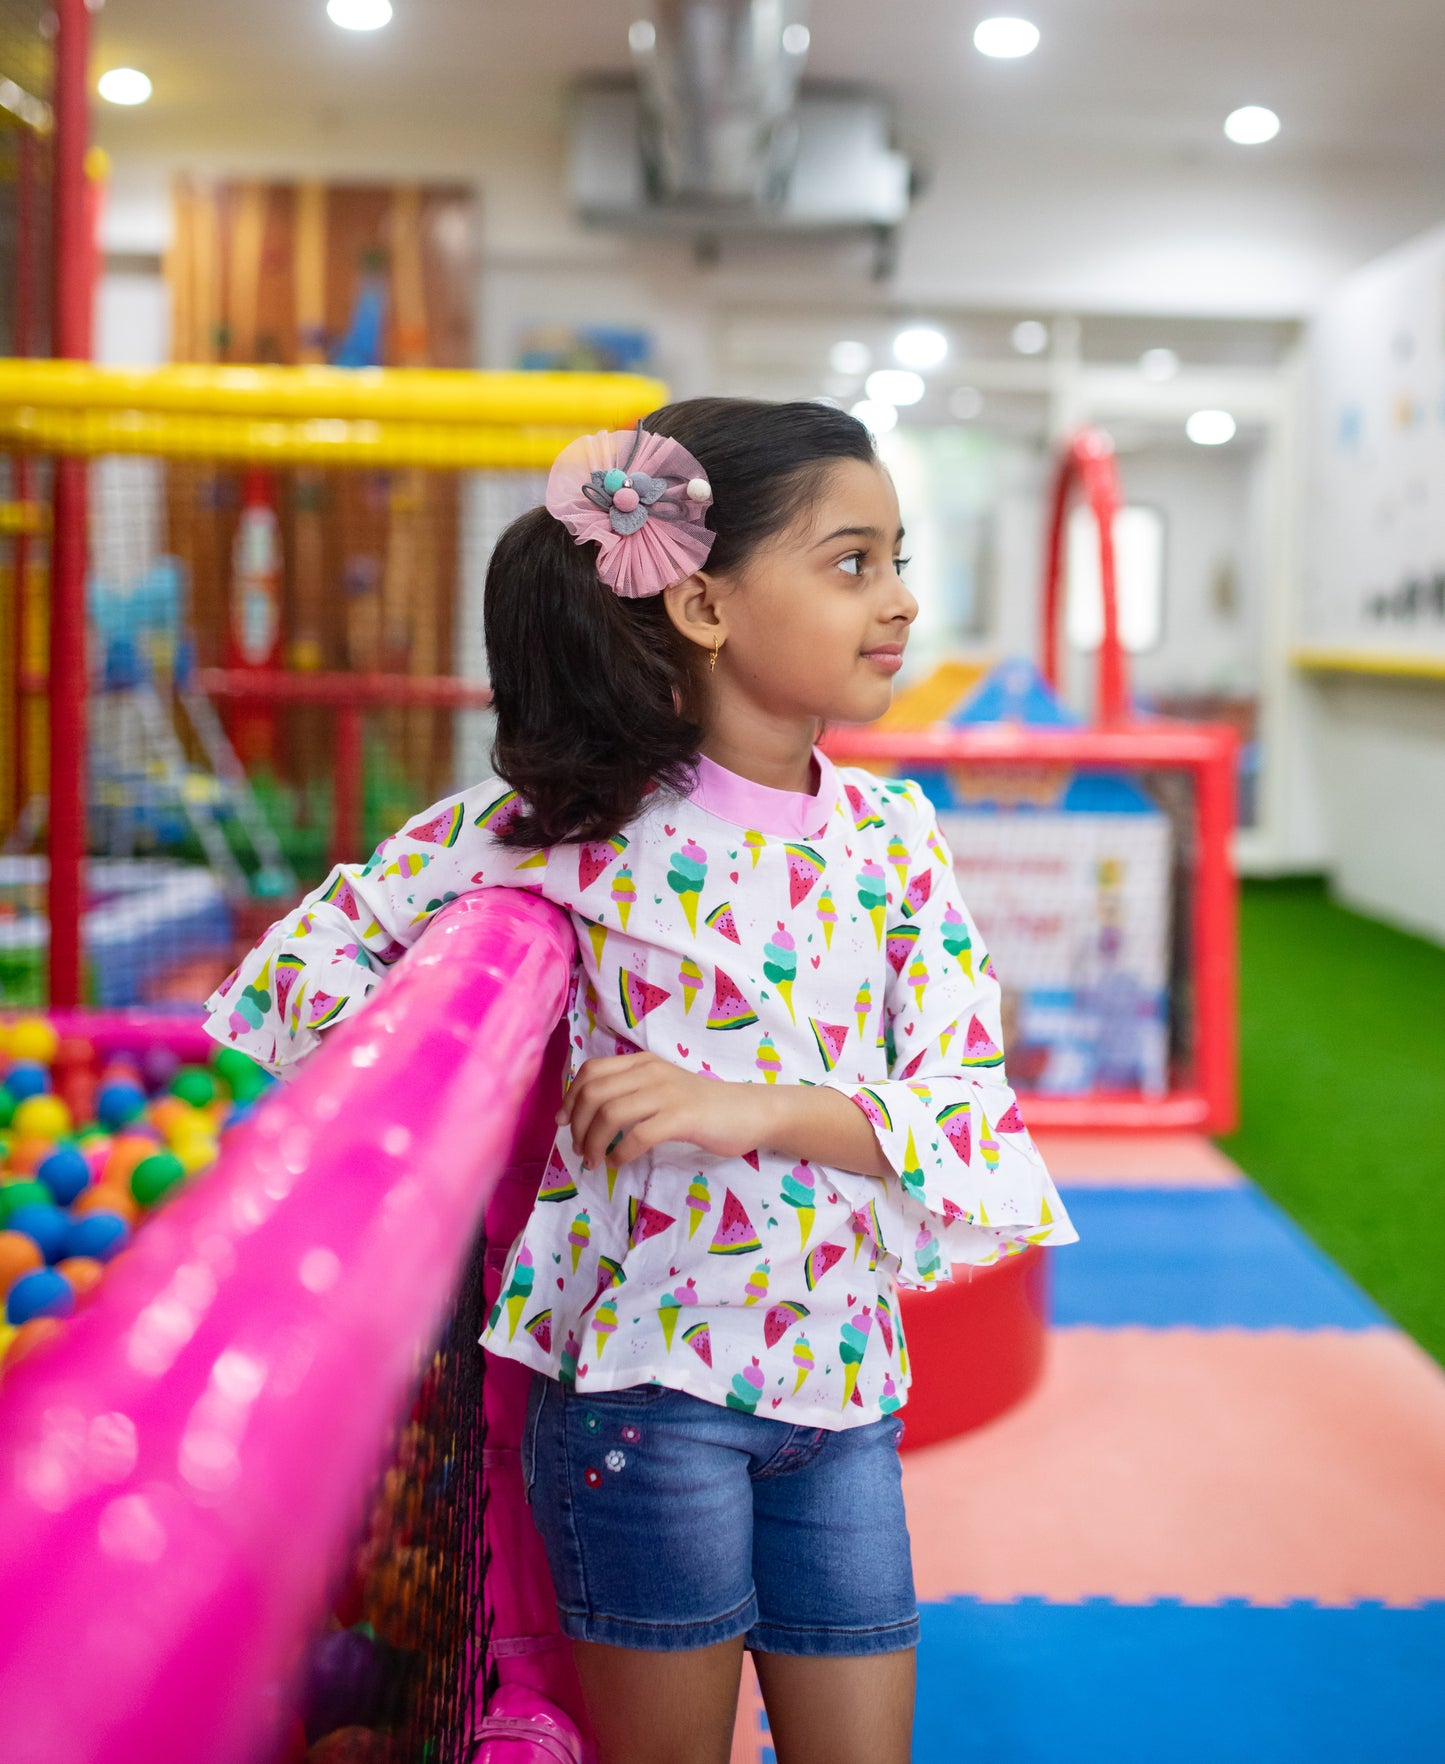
638,1100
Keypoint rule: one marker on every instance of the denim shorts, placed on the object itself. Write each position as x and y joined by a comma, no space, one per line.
674,1523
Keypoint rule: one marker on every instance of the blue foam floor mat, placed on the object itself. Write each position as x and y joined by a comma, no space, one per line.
1208,1257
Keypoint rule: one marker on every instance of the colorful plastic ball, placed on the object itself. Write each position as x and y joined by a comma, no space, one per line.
7,1107
95,1152
127,1150
228,1062
154,1177
34,1038
158,1065
107,1197
30,1336
14,1195
44,1117
41,1294
83,1272
48,1224
96,1236
195,1085
169,1116
27,1152
118,1103
25,1079
66,1173
195,1153
19,1255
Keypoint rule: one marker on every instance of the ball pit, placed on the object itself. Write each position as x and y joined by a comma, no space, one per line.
92,1143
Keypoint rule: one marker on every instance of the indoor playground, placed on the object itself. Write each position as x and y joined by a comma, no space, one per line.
298,305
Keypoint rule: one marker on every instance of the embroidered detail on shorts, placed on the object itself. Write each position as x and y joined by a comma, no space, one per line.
631,1435
592,1477
590,1422
615,1460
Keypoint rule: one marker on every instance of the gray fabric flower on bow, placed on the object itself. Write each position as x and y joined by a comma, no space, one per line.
628,497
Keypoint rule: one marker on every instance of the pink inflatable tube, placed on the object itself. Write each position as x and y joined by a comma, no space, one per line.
181,1472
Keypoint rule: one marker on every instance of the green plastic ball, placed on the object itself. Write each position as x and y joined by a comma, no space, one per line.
154,1177
194,1085
7,1107
23,1194
232,1066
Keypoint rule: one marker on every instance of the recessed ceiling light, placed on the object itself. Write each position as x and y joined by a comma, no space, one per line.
878,417
796,38
1158,365
894,386
1252,125
965,403
359,15
1030,337
1210,428
1005,39
641,36
124,85
850,357
920,346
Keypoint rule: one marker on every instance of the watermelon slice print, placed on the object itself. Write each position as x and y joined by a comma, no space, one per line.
540,1330
780,1319
830,1038
609,1273
499,816
901,942
863,815
874,1108
956,1122
1011,1121
722,921
885,1324
919,890
644,1221
557,1183
914,1063
339,894
699,1339
443,829
594,855
639,996
979,1048
752,1158
735,1235
804,869
288,968
819,1261
730,1010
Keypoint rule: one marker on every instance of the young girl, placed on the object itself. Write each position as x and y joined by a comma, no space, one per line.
786,1095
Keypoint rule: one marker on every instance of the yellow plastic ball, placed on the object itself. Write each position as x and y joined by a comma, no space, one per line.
195,1152
33,1038
173,1118
41,1117
7,1335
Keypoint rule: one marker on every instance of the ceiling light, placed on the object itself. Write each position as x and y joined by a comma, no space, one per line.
796,38
1030,337
359,15
1158,365
1005,39
920,346
876,416
124,85
1210,428
894,386
965,403
850,358
641,36
1252,125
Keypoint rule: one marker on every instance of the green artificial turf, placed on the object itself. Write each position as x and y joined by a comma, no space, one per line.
1342,1031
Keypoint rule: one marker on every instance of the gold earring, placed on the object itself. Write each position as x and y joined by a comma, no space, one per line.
712,662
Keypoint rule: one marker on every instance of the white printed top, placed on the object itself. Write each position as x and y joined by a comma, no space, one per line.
753,936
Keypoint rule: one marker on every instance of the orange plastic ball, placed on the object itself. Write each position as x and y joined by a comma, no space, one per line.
108,1197
19,1255
82,1273
30,1336
27,1152
169,1115
126,1152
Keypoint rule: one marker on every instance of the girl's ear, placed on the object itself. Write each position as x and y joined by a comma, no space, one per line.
693,607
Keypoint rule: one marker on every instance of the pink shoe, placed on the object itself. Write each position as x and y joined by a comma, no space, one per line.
522,1727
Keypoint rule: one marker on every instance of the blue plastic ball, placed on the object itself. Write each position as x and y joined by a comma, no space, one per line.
119,1102
98,1235
65,1173
26,1078
41,1294
47,1227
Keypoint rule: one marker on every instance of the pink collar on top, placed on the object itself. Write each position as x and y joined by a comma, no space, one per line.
792,813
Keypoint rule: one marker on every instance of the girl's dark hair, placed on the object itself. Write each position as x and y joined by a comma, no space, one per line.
583,681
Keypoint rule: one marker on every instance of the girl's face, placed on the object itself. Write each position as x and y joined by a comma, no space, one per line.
815,624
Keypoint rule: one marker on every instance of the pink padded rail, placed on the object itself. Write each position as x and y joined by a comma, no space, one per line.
182,1470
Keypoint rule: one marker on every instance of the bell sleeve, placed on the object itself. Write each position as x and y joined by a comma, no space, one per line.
971,1184
321,962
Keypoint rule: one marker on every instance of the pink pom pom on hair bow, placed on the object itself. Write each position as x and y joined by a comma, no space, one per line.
643,498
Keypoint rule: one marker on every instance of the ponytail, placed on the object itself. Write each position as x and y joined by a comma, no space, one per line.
598,697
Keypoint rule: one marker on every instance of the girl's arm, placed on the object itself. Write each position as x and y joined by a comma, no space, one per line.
319,963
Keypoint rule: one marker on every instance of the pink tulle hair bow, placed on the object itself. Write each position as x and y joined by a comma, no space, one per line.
643,498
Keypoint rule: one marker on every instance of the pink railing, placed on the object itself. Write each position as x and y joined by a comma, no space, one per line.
181,1470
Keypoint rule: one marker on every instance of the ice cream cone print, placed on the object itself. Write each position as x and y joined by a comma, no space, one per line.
755,843
519,1289
604,1321
803,1360
597,934
918,979
747,1389
685,877
689,978
624,893
873,895
945,1036
799,1193
669,1309
757,1286
898,857
890,1400
611,1170
768,1062
780,964
698,1203
863,1005
579,1236
827,916
852,1345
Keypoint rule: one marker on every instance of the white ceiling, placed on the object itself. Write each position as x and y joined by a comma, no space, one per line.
1094,174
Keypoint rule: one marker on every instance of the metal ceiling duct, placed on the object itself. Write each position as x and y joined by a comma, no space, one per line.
718,80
